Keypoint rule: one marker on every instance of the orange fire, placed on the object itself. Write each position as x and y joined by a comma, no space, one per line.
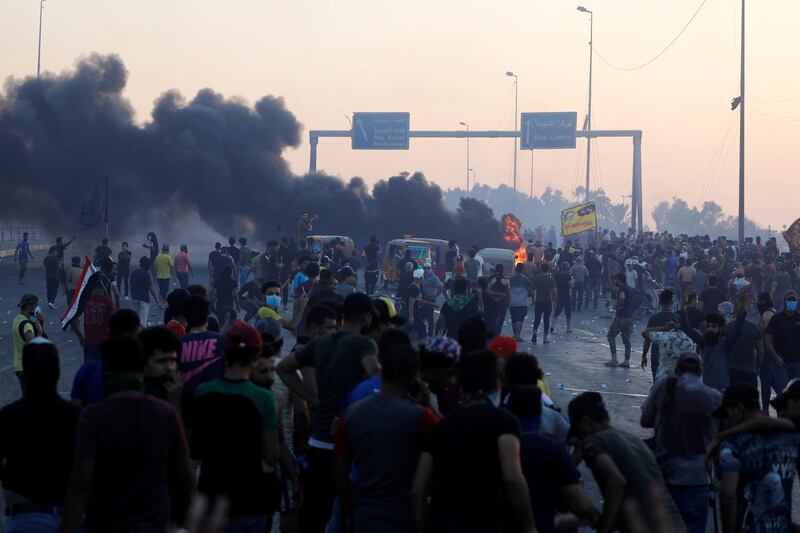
512,227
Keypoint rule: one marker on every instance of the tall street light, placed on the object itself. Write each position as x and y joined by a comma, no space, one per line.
516,127
589,114
741,136
531,172
467,138
39,53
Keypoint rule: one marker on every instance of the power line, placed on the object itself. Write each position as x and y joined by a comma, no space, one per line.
669,45
778,101
481,146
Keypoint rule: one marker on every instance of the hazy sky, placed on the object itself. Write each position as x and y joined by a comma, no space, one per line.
444,62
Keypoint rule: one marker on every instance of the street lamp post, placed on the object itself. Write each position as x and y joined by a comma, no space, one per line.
467,139
516,133
741,136
531,173
39,53
589,113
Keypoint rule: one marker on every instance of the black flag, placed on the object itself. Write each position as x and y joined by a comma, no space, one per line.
94,210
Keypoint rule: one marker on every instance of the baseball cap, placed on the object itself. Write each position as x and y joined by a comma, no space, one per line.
387,312
419,273
443,345
271,327
746,395
503,346
427,265
791,392
244,335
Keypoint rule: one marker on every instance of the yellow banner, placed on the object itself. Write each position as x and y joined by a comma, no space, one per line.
578,219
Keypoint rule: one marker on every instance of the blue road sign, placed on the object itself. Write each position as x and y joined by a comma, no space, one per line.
380,131
547,130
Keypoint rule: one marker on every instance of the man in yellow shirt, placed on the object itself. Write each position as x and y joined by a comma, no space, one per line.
165,271
26,326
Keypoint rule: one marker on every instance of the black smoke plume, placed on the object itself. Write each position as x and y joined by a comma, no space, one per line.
218,157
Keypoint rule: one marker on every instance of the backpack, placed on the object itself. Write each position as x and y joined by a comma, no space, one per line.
21,328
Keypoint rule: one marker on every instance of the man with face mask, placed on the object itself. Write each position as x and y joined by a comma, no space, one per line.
356,356
161,377
29,323
783,337
271,291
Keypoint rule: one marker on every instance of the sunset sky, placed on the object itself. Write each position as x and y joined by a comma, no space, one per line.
444,61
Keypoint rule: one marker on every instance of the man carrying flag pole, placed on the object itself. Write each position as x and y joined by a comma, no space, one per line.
79,297
92,300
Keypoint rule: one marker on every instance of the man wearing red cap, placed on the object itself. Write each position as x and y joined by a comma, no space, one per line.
235,434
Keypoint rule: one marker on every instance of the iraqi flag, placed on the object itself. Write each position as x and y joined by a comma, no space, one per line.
89,276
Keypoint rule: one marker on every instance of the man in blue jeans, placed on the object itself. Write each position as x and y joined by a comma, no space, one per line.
679,409
594,282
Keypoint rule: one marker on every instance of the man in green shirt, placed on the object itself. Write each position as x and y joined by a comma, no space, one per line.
235,433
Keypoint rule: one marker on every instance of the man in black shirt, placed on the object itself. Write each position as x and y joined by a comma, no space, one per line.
341,361
371,264
712,296
141,289
459,308
662,318
37,439
451,498
594,282
51,272
102,253
233,251
450,258
124,269
622,323
783,337
212,262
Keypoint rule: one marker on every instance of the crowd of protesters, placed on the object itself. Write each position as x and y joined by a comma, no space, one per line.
361,410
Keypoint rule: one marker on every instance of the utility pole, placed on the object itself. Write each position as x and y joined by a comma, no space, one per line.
741,136
467,139
39,53
589,114
531,173
516,135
